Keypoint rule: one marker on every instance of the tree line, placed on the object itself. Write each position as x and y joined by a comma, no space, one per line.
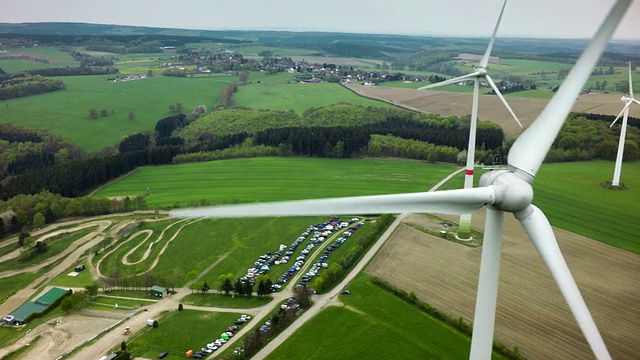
23,84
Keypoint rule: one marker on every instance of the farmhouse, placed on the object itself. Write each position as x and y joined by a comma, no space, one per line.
158,291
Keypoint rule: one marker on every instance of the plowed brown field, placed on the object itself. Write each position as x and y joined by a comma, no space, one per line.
531,312
489,108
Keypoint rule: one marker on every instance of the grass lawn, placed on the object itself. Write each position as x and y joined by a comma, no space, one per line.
269,179
66,112
296,96
226,301
179,331
81,280
572,198
374,324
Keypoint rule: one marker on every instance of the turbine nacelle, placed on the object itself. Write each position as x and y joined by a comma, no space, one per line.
513,194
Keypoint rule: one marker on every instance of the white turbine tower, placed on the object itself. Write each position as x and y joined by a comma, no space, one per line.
623,130
464,228
500,191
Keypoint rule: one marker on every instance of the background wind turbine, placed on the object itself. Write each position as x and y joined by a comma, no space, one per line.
623,130
464,227
500,191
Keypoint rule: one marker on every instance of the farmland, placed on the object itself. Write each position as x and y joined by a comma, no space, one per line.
265,179
66,113
299,97
559,189
373,317
531,313
490,108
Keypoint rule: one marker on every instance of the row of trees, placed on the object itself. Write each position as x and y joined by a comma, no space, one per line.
24,85
26,211
72,71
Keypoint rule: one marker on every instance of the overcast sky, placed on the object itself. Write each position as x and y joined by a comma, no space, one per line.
523,18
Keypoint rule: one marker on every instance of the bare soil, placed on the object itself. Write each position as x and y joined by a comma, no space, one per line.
489,108
531,312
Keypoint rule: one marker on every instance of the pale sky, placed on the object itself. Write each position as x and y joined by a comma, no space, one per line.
522,18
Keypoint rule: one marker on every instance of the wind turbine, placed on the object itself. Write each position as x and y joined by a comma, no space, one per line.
464,227
623,130
500,191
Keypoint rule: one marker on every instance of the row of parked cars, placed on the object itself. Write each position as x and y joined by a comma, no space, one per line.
219,342
322,260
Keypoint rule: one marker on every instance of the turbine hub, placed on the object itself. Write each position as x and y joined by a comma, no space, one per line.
481,71
516,194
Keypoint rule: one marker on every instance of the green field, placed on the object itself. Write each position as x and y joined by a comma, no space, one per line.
296,96
66,112
374,324
572,198
268,179
58,59
179,331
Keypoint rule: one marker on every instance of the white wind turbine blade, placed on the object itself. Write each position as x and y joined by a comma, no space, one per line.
504,101
531,147
541,234
485,59
621,112
455,80
462,201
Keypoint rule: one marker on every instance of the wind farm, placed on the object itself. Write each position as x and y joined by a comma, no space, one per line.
502,191
464,231
323,204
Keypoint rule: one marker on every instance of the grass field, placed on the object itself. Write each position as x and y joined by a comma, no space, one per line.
268,179
226,301
180,331
287,95
66,112
572,198
57,59
374,324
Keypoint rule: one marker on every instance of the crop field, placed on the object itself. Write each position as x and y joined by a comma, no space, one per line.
572,198
296,96
531,312
373,324
269,179
56,58
66,112
490,108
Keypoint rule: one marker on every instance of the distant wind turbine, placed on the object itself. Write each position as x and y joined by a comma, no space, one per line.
501,191
623,130
464,228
